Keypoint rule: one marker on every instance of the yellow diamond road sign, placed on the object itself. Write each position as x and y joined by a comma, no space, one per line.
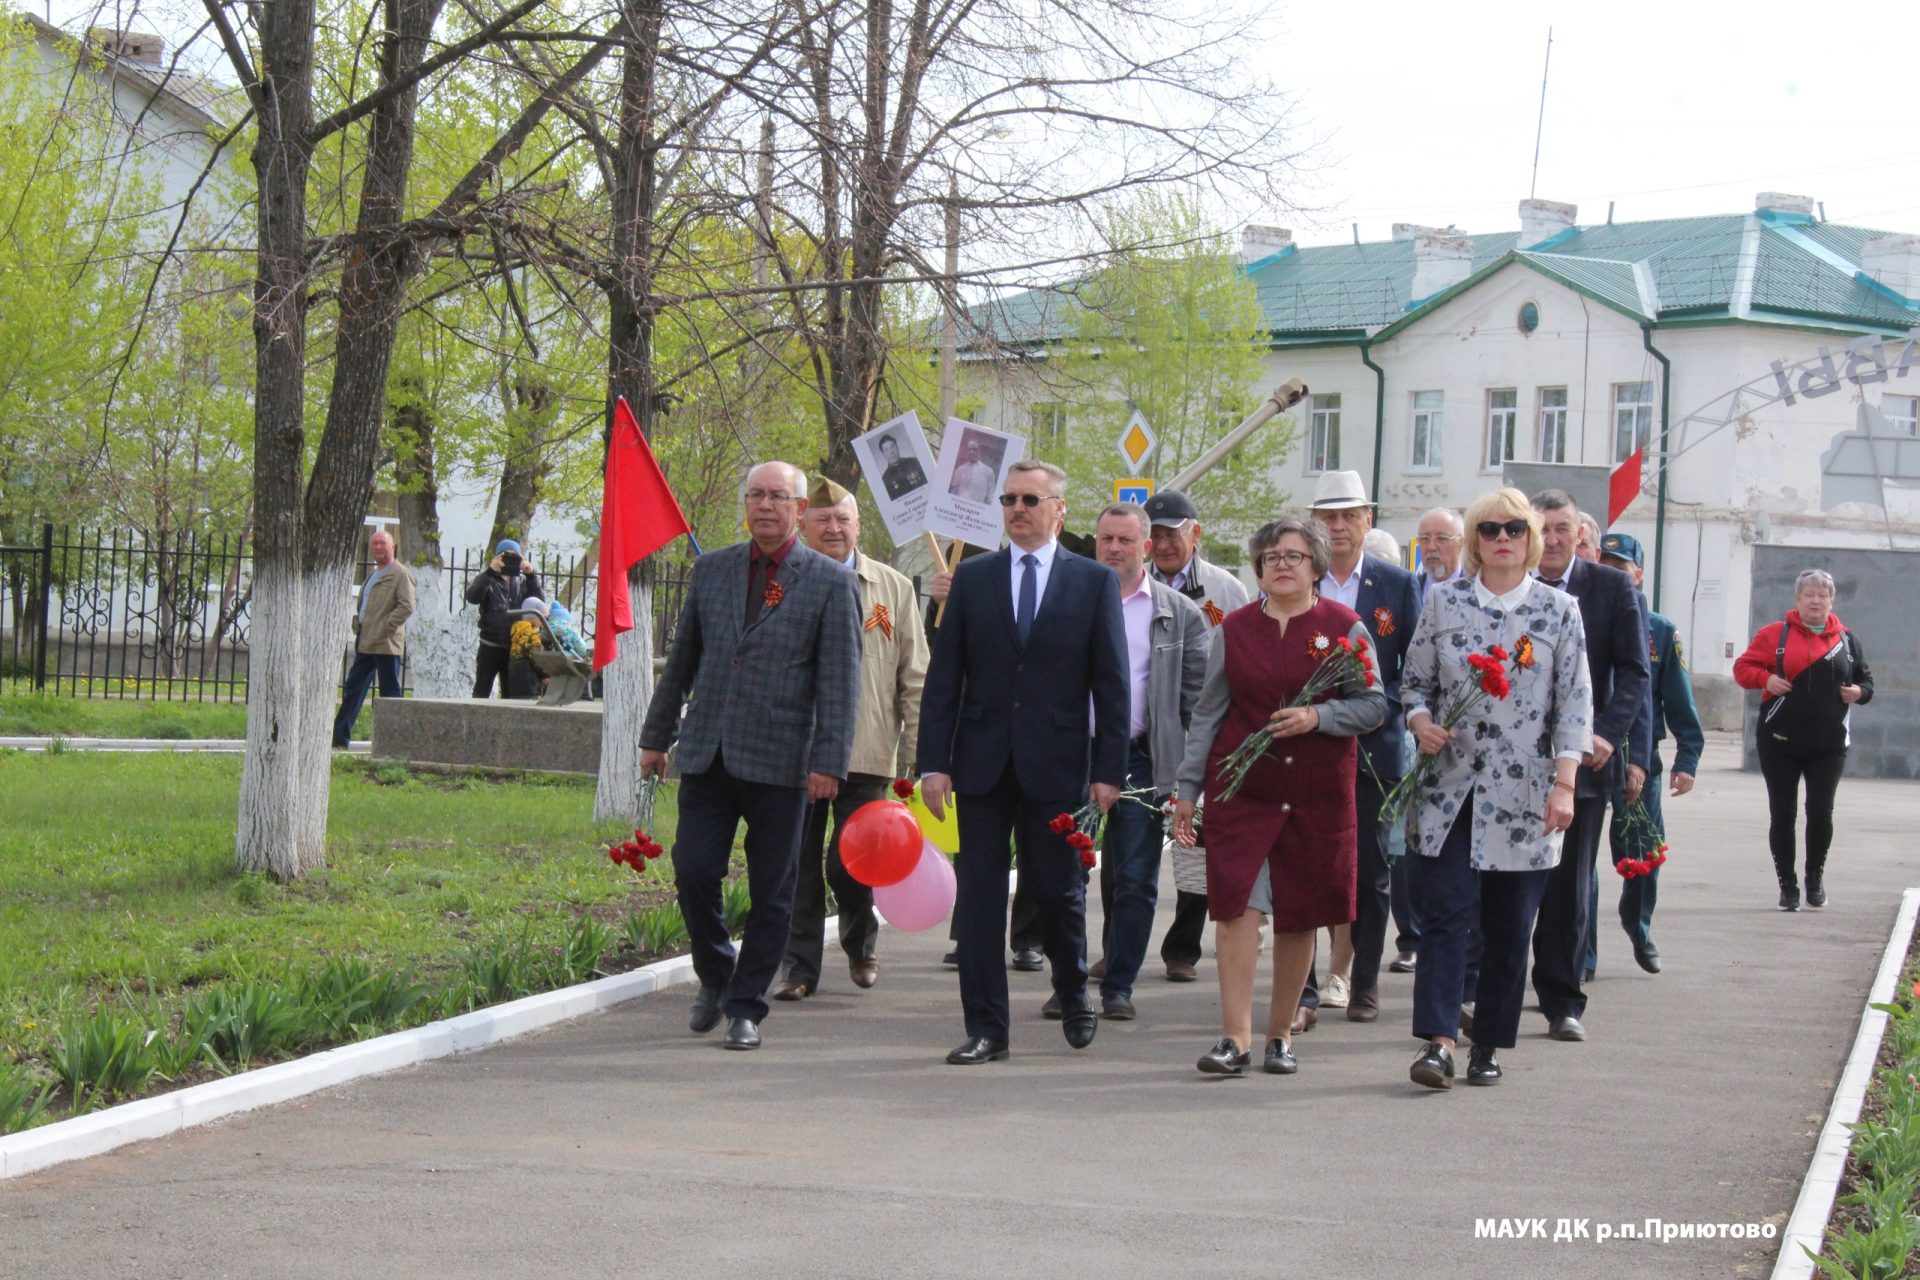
1136,442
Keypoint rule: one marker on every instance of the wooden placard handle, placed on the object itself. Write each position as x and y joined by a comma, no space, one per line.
947,560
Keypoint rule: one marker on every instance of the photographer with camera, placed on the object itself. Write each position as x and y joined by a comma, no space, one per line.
507,583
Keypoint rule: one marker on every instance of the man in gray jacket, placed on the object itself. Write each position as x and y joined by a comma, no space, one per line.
1217,592
768,653
1167,643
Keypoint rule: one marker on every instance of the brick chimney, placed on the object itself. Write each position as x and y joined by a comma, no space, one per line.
1258,242
1413,231
1893,261
1781,202
1440,261
1542,220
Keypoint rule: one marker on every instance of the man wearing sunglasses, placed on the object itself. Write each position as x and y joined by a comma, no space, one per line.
1617,661
1032,635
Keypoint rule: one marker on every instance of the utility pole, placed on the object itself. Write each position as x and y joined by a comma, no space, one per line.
950,320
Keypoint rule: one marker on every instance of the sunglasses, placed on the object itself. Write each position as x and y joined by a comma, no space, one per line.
1028,500
1491,529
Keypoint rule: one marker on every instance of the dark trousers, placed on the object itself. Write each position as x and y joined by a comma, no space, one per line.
491,664
806,936
1784,766
1023,931
1182,943
1129,881
1560,935
712,805
1049,870
1637,895
1406,924
1452,898
353,694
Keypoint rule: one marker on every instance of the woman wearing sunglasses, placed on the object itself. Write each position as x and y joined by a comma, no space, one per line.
1488,823
1284,844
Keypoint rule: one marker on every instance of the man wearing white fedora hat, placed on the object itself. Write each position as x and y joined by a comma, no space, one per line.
1388,602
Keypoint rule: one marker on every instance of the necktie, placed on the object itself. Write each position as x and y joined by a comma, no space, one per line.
1023,617
759,574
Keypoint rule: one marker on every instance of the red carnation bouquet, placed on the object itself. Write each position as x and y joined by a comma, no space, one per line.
643,848
1085,826
1489,685
1638,832
1346,662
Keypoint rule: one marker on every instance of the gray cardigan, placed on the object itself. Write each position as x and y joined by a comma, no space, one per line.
1180,638
1360,709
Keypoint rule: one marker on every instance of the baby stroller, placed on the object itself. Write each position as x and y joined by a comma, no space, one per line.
567,674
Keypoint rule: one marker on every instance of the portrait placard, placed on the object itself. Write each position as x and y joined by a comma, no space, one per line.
896,461
965,502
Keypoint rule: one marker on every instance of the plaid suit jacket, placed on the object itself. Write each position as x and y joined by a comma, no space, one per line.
774,701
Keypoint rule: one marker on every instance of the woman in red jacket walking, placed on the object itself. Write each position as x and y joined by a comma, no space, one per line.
1810,673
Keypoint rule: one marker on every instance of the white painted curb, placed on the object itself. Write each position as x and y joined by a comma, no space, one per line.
146,1118
203,746
1807,1225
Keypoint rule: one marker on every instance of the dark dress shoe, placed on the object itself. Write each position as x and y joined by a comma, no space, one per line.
741,1034
1117,1008
976,1051
793,991
1566,1028
1402,963
1647,956
1466,1019
1224,1059
1303,1021
706,1010
1181,971
1364,1006
1280,1060
1028,960
1482,1066
1051,1009
1789,897
864,972
951,958
1080,1022
1434,1067
1098,969
1816,892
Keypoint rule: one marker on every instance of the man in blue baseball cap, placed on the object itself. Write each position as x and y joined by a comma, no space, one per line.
505,584
1639,829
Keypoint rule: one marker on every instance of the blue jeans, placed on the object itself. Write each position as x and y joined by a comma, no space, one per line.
1129,881
353,693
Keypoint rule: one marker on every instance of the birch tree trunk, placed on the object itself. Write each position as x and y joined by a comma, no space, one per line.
628,690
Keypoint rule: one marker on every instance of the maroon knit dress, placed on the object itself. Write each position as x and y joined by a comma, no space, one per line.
1295,810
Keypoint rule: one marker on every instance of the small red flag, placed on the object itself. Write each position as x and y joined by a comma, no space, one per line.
1624,485
638,516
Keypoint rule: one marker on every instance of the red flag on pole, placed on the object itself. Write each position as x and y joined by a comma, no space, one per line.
638,516
1623,486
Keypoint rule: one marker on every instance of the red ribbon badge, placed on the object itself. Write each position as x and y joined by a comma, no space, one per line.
1383,622
881,619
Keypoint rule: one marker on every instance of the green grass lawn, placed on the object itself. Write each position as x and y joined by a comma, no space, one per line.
117,881
24,715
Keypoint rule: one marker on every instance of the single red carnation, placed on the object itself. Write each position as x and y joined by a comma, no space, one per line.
902,788
1087,859
1062,822
1360,645
1344,642
616,854
1498,654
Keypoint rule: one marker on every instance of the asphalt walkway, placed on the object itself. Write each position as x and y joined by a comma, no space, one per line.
621,1145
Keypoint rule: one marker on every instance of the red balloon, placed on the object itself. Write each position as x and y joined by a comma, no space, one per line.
880,845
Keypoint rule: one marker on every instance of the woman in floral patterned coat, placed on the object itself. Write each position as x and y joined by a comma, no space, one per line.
1489,817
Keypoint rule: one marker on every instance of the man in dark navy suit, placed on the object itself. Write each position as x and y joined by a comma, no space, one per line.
1033,636
1617,660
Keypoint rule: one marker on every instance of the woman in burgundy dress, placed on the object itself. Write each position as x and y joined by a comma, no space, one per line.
1283,845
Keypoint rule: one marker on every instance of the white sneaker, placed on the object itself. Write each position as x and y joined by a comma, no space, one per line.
1334,994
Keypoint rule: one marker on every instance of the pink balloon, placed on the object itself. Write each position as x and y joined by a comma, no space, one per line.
924,898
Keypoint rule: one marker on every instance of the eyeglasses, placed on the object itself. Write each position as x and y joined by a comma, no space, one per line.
776,496
1438,537
1291,559
1028,500
1491,529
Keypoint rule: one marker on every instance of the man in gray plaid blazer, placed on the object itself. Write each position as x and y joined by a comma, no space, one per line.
768,654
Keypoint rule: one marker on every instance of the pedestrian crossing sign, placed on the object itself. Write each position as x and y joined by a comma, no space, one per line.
1133,489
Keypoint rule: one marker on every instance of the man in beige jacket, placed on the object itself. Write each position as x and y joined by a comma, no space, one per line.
380,635
893,664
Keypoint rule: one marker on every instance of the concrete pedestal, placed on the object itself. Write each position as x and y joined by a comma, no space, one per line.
496,734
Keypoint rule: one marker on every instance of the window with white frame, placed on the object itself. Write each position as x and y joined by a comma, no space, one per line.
1429,426
1553,425
1632,418
1503,416
1323,442
1902,413
1049,421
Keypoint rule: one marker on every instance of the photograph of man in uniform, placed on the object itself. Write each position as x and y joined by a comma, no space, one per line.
902,474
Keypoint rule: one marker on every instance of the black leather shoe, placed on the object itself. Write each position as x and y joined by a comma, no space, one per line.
1586,976
1117,1008
1790,897
706,1011
1647,956
1279,1060
741,1034
1051,1009
1466,1019
952,958
1403,962
1482,1066
1224,1059
1566,1028
1816,892
976,1051
1029,961
1080,1022
1434,1067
